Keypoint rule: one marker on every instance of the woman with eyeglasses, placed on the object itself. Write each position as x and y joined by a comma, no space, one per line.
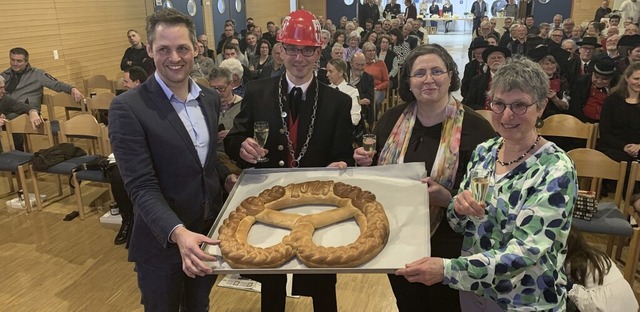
378,70
435,128
203,64
263,57
390,59
515,234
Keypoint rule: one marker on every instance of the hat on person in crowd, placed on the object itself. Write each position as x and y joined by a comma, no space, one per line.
592,41
630,41
491,49
605,66
301,28
478,42
539,53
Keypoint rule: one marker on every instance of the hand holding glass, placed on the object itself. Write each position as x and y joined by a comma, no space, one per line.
480,186
369,143
260,135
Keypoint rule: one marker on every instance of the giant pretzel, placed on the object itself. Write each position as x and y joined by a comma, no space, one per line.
351,201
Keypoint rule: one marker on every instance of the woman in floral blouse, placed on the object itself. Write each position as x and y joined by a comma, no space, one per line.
515,237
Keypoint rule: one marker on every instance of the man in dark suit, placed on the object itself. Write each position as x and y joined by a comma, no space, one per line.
310,126
494,57
163,135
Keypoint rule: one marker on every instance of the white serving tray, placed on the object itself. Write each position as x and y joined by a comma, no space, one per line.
397,188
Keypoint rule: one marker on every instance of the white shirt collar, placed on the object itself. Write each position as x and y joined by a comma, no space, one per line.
303,86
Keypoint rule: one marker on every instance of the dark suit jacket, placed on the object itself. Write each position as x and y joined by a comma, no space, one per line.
365,86
470,71
332,134
477,93
267,70
161,169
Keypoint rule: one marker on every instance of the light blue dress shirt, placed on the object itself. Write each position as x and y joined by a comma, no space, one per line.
191,115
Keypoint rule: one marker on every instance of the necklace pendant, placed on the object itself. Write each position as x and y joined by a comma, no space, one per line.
283,114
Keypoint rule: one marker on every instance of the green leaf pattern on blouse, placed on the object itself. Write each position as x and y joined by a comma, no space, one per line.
516,256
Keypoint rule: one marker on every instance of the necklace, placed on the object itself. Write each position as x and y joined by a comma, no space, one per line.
505,164
295,162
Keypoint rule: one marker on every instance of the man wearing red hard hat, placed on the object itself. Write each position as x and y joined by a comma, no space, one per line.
309,126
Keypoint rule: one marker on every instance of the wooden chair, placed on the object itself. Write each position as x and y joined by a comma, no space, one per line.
609,219
62,100
19,162
488,115
97,84
633,253
563,125
83,127
118,85
101,101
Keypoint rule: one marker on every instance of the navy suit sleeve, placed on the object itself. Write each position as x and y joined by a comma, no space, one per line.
134,158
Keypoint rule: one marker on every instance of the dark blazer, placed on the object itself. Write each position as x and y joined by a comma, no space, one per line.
470,71
161,169
332,134
365,86
579,96
477,93
267,70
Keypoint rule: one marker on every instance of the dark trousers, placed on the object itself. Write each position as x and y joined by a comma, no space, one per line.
445,243
320,287
164,288
119,193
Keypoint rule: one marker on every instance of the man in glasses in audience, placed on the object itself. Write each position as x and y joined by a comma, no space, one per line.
310,126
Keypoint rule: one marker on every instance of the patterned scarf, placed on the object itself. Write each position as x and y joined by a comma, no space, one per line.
446,162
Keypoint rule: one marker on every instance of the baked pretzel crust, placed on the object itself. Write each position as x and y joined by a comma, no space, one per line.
351,202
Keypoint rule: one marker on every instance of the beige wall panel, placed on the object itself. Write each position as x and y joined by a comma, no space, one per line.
263,11
584,10
90,35
314,6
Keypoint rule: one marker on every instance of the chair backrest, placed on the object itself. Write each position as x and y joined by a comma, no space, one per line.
101,100
595,165
97,83
487,114
634,177
62,100
22,124
83,126
118,84
563,125
106,142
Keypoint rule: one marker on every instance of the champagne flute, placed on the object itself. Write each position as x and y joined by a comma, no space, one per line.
480,187
260,134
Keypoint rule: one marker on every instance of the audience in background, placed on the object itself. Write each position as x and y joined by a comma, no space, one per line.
136,54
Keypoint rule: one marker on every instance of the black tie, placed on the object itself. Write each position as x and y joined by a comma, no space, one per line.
295,97
585,68
337,88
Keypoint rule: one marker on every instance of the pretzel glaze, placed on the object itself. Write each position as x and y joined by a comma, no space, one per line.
351,202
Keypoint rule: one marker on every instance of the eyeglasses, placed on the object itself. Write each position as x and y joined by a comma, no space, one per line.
306,51
434,72
517,108
220,89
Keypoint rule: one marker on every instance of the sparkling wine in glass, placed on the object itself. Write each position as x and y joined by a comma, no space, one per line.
479,185
260,134
369,142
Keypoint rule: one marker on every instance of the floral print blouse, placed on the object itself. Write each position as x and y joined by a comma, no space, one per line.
515,256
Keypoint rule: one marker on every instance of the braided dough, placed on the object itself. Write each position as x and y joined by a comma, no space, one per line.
351,202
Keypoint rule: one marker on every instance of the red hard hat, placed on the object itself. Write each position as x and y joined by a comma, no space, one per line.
301,28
